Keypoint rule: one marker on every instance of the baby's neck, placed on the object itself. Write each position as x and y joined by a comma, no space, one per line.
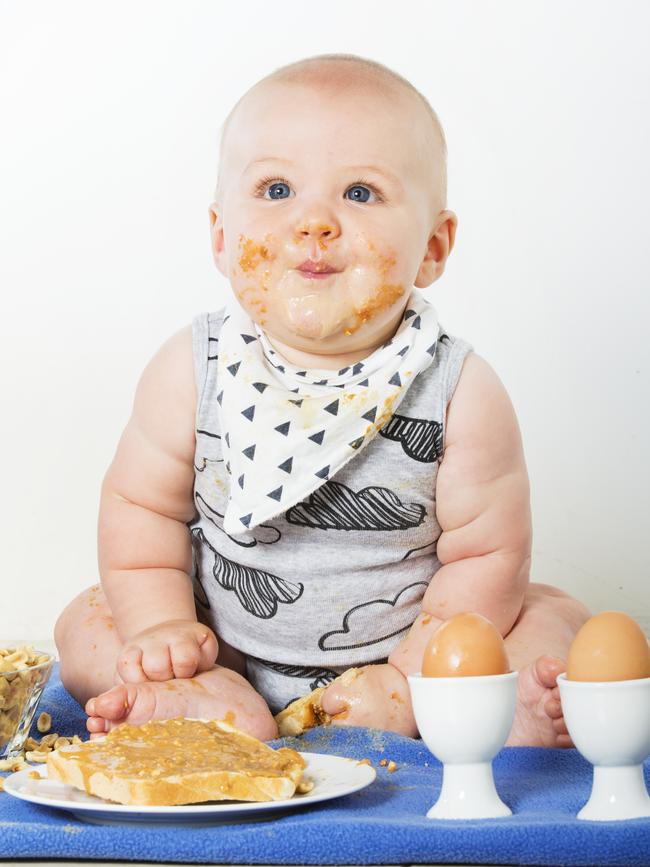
310,361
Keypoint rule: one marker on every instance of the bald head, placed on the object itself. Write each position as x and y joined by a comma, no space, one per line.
334,74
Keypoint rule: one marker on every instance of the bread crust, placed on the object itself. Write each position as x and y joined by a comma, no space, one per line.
179,761
307,712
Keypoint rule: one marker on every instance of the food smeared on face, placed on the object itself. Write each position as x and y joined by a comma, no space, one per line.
311,296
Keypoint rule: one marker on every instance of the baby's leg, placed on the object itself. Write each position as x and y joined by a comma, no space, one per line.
88,644
537,647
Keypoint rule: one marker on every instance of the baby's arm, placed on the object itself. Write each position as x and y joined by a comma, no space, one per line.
482,506
144,544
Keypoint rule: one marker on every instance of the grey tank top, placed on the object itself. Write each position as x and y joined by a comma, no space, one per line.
336,580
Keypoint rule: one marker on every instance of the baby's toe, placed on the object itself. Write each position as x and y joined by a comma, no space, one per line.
113,704
96,724
547,669
553,708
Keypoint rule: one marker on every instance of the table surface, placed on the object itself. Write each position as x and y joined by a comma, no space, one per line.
49,647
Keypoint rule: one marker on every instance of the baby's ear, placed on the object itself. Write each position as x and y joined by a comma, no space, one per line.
439,246
216,238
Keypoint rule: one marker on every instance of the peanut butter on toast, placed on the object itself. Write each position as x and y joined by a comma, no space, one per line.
179,761
307,712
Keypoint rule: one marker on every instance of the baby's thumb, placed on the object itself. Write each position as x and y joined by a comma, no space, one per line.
208,650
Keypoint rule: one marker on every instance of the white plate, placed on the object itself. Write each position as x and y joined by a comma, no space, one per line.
333,776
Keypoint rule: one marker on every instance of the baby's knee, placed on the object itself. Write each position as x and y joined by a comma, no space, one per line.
90,603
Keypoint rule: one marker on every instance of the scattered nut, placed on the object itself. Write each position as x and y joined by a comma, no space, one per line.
391,766
364,762
2,784
61,742
34,775
44,723
36,756
383,762
48,740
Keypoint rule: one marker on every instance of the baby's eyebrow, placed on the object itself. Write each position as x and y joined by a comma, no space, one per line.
380,170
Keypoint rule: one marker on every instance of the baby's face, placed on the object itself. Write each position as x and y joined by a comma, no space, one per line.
325,215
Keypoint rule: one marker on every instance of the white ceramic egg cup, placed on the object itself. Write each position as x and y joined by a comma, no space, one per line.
609,722
465,721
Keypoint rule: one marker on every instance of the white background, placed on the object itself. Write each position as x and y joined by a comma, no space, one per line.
110,117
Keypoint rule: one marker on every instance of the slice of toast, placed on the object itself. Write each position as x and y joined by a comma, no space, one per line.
307,712
179,761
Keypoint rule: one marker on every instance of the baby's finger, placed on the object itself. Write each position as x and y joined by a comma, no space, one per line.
156,663
208,651
184,659
129,665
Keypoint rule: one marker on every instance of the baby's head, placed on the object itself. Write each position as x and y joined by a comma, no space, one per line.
332,163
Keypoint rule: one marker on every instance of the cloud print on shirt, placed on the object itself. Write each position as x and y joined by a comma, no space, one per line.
421,439
258,592
334,506
379,614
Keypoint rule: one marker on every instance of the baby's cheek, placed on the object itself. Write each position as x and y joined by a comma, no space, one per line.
373,293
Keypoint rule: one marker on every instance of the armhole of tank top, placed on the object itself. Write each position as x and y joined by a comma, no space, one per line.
204,327
457,353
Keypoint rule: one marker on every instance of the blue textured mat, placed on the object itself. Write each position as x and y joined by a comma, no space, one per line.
382,824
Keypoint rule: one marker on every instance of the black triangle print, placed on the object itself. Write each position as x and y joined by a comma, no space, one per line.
283,428
318,437
320,382
371,414
280,368
358,367
233,368
302,373
247,338
403,351
365,383
286,465
249,412
297,402
276,494
249,452
416,322
260,386
432,349
246,519
409,313
322,474
241,481
343,370
395,380
294,390
219,397
332,407
356,444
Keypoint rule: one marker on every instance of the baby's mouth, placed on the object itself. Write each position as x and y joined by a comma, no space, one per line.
312,269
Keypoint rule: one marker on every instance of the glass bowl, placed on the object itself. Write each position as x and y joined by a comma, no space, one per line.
21,687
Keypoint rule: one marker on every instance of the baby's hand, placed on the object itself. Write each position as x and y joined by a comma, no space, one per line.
378,696
176,648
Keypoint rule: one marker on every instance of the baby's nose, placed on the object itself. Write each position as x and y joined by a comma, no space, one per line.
319,229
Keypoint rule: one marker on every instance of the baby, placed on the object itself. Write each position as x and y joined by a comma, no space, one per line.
315,477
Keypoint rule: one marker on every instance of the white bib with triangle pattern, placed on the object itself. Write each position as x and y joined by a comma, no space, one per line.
286,430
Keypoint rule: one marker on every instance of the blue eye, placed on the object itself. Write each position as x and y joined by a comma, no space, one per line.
359,193
276,191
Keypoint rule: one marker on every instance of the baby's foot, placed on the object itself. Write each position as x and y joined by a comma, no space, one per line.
538,717
216,694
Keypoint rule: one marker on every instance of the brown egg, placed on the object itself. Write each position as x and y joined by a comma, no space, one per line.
466,645
609,646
